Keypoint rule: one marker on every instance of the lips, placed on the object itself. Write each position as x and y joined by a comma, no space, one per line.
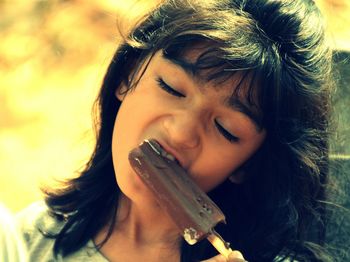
159,149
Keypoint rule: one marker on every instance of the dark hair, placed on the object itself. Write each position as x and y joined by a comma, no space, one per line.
278,211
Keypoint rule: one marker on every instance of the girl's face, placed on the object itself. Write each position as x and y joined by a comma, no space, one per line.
210,135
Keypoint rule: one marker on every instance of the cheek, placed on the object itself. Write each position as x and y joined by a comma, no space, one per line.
126,136
134,116
213,166
124,132
136,120
212,171
219,163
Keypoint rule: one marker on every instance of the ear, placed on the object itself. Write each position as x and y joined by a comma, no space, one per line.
121,92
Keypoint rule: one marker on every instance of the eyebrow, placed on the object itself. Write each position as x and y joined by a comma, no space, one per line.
237,105
231,102
189,68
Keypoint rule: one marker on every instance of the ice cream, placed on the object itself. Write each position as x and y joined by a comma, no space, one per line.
194,213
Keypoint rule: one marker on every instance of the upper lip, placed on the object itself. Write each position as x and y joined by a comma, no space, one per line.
171,151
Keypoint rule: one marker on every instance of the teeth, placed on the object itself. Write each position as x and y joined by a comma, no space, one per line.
159,150
168,156
156,147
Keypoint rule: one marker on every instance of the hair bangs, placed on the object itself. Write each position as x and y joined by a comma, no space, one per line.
218,64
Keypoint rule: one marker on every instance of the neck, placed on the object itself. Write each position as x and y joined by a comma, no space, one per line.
145,223
143,231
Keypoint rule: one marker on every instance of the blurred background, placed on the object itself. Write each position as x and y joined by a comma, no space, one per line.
53,54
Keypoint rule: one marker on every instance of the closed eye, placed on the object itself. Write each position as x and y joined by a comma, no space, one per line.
231,138
168,89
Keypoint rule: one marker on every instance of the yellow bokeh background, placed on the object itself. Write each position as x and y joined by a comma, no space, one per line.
53,54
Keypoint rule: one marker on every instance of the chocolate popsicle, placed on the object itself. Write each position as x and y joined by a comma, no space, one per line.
194,213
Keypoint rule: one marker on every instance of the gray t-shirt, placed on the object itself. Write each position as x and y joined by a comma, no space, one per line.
12,247
35,218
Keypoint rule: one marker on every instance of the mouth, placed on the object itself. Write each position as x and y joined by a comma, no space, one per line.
161,151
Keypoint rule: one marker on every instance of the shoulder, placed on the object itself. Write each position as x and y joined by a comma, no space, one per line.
35,220
12,247
39,227
35,215
33,223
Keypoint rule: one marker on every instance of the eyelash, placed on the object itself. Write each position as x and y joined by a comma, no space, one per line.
231,138
225,133
168,89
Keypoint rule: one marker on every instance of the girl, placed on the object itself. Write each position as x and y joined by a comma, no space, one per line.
237,91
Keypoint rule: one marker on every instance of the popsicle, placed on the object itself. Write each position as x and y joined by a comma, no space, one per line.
193,212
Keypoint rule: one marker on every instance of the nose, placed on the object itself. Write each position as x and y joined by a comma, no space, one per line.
183,130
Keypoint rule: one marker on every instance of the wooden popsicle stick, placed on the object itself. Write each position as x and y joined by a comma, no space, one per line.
219,243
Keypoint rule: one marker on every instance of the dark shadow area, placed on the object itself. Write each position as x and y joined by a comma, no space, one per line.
341,103
338,230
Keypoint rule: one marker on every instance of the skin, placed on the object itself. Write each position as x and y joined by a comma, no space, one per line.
185,126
